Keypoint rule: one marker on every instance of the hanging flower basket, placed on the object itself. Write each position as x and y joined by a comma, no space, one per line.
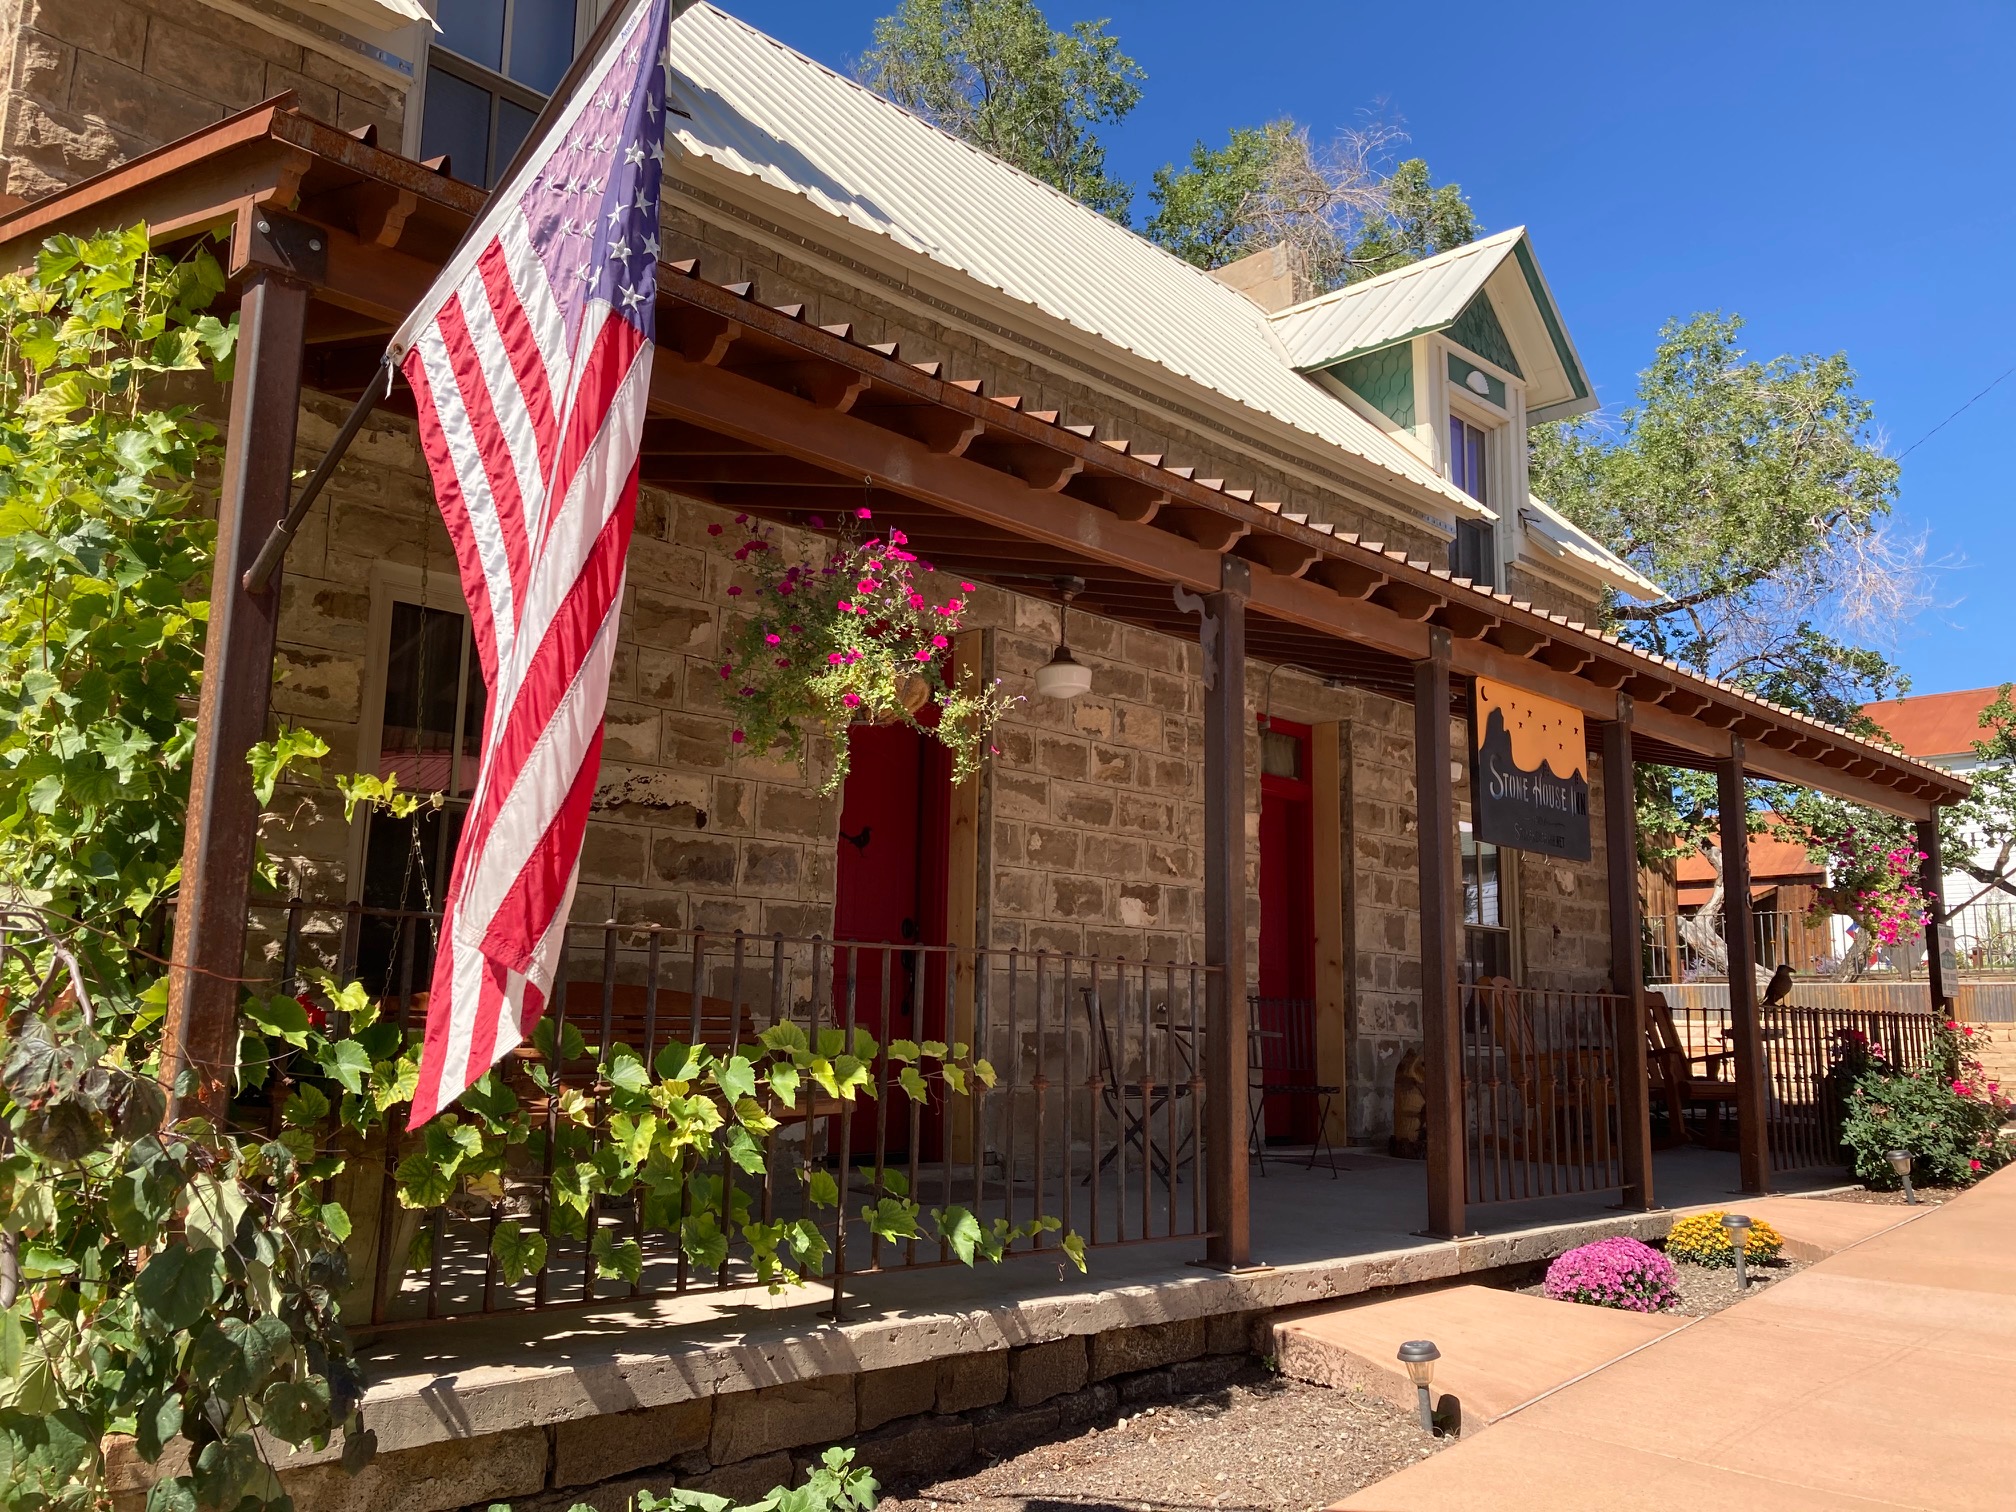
862,635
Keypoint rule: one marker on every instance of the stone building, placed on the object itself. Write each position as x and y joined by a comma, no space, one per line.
1371,440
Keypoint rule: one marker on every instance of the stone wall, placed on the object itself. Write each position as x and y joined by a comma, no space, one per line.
92,83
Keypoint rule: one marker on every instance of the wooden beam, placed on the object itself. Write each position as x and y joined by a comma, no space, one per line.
1226,1091
1346,578
1279,555
1407,600
1213,531
220,837
1441,1006
1519,640
1464,621
1732,804
1627,965
1563,656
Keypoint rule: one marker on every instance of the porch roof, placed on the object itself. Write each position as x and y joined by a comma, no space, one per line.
753,406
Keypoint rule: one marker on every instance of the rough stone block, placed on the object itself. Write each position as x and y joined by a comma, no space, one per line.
1039,1372
882,1396
1122,1351
1145,1387
108,27
1097,1403
968,1381
909,1451
440,1476
1211,1373
149,108
226,73
749,1423
746,1481
694,862
1230,1333
999,1432
594,1449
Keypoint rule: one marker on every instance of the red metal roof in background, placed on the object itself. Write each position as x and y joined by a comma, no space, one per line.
1935,724
1771,860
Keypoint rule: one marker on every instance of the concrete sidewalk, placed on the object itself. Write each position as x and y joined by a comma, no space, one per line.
1871,1380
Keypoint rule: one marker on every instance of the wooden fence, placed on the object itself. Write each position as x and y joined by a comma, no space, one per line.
1975,1002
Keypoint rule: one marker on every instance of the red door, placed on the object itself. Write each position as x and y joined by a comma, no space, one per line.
1287,927
890,890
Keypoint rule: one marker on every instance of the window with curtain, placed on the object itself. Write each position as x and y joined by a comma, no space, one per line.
489,71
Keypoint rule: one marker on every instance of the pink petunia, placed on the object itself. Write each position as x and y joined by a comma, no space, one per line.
738,737
835,659
897,538
867,585
817,522
727,671
1973,1165
713,530
940,642
965,587
923,656
864,513
773,639
845,606
734,592
852,700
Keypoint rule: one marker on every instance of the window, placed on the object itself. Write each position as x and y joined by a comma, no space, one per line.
488,73
1471,554
430,737
1487,934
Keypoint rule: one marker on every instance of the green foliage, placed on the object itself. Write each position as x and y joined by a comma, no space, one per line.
1339,210
1946,1114
158,1284
1754,493
104,561
993,72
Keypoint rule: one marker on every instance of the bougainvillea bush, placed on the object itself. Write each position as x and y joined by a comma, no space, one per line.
1701,1240
1948,1114
1616,1272
861,635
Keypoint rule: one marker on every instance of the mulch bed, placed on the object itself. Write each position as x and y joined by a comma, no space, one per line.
1263,1443
1929,1196
1706,1289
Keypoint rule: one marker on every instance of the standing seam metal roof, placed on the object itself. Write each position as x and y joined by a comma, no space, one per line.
755,107
1364,317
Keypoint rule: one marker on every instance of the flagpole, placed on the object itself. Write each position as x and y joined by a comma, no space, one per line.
260,573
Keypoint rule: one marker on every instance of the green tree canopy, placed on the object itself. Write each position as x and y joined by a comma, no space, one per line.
993,72
1343,214
1757,494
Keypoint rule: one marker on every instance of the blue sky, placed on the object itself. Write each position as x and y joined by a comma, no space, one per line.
1844,176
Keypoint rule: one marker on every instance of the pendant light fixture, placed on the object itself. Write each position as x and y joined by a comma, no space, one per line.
1064,676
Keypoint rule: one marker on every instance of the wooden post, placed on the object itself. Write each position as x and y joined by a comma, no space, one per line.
1753,1144
1326,817
962,895
1932,878
1441,1005
1627,954
1225,1075
201,1031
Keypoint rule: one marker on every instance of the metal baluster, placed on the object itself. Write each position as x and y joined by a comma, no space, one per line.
592,1220
558,1072
1040,1088
846,1142
916,1108
1197,1176
1069,1162
887,963
727,1164
689,1166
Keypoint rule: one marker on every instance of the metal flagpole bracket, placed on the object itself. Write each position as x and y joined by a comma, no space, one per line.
260,573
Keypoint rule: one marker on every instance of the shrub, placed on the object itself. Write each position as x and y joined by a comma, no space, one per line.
1946,1113
1701,1240
833,1486
1614,1273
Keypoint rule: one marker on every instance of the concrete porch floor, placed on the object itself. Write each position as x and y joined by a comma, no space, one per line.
1319,1238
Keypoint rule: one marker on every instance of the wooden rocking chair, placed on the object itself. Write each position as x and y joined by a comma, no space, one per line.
1671,1067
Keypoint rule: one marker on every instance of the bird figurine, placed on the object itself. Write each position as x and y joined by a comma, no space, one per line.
1780,987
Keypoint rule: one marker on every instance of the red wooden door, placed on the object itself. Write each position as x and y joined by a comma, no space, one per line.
890,890
1287,926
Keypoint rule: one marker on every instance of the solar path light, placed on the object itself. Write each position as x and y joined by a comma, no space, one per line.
1419,1356
1738,1228
1900,1162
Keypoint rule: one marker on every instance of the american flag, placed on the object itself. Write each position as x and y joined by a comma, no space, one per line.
530,359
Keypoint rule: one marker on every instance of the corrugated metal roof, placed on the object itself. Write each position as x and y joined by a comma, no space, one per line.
1362,317
1563,537
756,107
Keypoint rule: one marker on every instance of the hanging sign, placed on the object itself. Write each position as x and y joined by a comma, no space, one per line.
1530,783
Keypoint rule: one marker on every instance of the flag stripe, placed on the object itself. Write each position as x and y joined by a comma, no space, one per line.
520,346
485,440
462,528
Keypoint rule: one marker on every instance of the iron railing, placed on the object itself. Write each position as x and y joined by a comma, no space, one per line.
1540,1091
1778,938
1810,1055
1097,1118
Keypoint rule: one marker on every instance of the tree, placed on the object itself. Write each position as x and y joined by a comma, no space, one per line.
993,72
1757,495
1340,211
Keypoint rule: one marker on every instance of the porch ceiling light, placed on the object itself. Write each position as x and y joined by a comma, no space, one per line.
1064,676
1900,1162
1419,1356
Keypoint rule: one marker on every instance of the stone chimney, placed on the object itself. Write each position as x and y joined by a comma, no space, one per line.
1272,277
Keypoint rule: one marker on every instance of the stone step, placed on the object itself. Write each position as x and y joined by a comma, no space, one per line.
1500,1349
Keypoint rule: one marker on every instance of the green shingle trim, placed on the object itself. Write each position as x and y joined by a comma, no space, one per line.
1477,329
1459,375
1554,332
1384,380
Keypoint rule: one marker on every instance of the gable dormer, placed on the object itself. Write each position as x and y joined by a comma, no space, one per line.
1454,357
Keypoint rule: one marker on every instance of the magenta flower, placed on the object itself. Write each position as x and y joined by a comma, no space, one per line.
738,737
1620,1272
733,591
852,700
864,513
714,529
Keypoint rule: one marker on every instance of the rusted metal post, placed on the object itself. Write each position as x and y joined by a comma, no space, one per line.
1752,1138
1627,954
1441,1010
1226,1092
1932,878
217,848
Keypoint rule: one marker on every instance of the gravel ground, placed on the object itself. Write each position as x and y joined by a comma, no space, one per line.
1707,1289
1930,1196
1264,1444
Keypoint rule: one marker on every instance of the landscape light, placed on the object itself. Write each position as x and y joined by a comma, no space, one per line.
1419,1356
1900,1162
1738,1227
